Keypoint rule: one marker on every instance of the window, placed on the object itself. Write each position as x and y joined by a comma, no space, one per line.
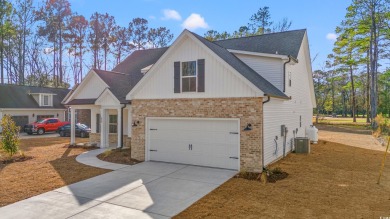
289,79
51,121
97,123
45,100
113,122
188,76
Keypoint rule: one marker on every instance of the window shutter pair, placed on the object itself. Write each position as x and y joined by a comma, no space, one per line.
200,76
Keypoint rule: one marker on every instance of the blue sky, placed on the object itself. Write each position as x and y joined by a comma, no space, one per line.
320,18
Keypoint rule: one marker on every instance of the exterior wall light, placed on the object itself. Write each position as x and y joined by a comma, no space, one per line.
248,127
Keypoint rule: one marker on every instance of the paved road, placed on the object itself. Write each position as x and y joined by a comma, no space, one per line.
145,190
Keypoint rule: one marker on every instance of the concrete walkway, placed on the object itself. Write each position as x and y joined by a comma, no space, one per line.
145,190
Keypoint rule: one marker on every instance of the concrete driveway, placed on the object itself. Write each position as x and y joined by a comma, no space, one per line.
145,190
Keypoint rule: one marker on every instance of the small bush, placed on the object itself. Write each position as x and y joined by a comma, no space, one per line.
383,125
107,153
10,138
277,170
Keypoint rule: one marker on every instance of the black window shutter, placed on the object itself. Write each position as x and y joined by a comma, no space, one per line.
201,77
176,86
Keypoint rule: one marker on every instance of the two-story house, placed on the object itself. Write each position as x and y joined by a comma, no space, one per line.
234,104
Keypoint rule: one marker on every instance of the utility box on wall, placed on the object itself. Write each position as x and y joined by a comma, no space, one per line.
302,145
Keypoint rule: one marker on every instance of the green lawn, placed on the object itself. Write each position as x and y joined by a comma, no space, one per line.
341,121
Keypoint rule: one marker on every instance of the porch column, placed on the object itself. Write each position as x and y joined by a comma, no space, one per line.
119,125
103,130
72,125
93,121
129,122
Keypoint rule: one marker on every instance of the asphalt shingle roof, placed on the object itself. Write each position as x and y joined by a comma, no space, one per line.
242,68
282,43
16,96
128,73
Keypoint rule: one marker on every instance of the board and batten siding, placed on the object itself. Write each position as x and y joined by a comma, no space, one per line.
92,88
270,68
287,112
220,81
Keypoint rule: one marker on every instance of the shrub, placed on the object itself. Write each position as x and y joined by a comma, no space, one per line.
383,125
10,138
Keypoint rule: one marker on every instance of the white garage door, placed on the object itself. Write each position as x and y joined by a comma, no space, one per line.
213,143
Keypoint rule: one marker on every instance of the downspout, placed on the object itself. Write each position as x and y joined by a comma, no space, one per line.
262,151
122,125
284,73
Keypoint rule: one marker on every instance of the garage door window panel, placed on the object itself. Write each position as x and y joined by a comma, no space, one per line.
189,76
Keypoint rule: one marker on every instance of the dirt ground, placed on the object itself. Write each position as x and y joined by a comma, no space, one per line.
121,156
51,167
334,181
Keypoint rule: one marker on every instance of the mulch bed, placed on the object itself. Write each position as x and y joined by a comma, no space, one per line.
119,156
272,176
52,166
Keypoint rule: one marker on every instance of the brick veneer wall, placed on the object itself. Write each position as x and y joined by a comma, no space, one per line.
249,110
84,116
113,139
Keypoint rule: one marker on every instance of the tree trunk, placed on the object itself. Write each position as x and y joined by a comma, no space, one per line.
61,74
373,62
368,89
2,57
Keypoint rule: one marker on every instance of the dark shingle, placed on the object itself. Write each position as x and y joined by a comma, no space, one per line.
282,43
81,102
15,96
128,73
243,69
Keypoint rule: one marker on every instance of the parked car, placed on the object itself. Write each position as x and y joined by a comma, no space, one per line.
45,125
81,130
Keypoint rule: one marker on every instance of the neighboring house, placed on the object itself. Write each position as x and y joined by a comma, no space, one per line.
27,104
219,104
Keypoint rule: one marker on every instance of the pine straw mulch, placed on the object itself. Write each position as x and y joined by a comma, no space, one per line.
120,156
51,166
334,181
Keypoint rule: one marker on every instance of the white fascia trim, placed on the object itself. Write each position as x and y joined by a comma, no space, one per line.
173,46
97,102
284,57
151,70
86,78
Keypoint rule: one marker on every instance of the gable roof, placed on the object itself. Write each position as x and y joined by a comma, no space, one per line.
128,73
282,43
17,96
246,71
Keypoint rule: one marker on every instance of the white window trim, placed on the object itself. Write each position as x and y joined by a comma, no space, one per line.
49,100
196,76
109,124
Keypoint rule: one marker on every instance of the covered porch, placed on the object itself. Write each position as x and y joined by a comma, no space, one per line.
110,125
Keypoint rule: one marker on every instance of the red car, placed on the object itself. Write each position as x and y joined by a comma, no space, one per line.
44,125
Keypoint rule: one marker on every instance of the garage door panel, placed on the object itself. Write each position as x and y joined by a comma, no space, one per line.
211,140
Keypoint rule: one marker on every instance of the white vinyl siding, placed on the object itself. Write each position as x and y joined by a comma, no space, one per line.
270,68
288,112
220,80
91,88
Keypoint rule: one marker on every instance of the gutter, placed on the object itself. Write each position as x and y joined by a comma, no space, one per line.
122,125
262,127
290,58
